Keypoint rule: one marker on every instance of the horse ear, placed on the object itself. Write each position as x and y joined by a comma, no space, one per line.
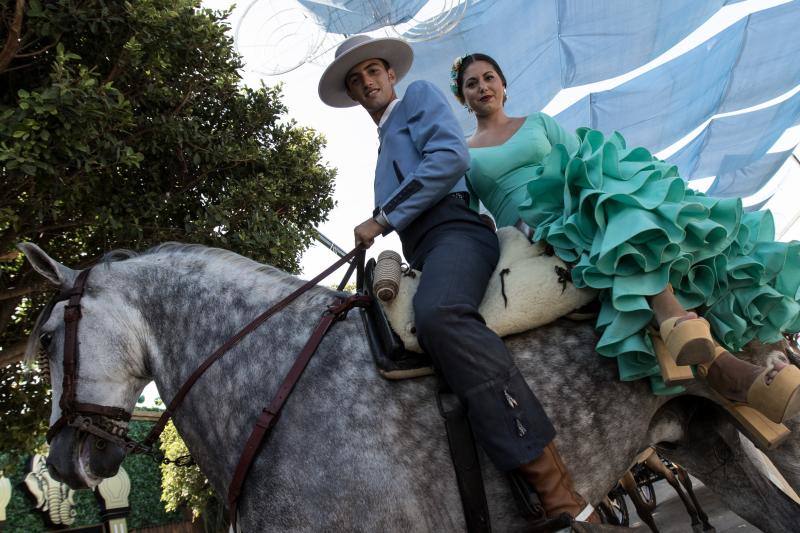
55,272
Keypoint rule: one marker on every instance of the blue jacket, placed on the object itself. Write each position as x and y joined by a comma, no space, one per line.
422,156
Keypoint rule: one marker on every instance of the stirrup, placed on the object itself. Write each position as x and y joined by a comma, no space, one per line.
689,341
584,515
753,416
558,524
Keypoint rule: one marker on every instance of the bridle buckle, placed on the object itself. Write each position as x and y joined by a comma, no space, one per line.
72,312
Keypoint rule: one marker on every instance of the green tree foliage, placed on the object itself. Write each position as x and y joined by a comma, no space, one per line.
24,412
187,487
124,124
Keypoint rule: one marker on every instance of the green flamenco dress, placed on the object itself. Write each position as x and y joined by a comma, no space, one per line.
630,225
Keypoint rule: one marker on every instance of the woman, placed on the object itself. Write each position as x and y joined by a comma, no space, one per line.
632,229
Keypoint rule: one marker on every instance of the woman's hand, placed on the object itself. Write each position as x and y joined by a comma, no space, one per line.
525,229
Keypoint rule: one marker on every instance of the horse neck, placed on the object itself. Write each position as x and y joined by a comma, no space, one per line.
193,310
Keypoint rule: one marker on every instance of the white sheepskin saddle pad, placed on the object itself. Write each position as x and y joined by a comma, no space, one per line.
534,294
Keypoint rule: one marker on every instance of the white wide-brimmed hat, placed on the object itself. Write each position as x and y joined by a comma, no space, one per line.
353,51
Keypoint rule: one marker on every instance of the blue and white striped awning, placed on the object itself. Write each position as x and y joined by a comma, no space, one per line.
716,108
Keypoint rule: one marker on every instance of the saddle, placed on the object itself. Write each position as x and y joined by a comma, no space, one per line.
528,289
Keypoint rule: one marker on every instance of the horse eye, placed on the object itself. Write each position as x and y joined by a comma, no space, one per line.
45,339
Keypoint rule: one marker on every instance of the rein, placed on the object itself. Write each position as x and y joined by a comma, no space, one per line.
98,420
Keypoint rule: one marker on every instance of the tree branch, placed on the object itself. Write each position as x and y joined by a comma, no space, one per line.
13,354
40,50
117,69
16,292
18,67
7,308
11,46
52,227
7,241
6,257
186,98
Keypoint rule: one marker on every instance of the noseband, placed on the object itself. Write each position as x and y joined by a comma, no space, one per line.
99,420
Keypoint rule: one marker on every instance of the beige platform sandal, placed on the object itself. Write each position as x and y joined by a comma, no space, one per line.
778,401
671,373
689,341
767,406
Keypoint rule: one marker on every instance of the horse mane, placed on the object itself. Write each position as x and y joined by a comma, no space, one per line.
216,255
211,254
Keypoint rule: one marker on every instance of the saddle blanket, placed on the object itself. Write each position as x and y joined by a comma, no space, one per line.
527,289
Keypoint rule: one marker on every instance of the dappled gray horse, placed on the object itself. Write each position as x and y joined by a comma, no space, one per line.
354,452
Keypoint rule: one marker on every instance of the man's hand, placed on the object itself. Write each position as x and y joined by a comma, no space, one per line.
366,232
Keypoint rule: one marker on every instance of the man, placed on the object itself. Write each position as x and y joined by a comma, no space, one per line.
421,193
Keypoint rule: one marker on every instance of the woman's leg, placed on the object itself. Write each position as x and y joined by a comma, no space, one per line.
665,306
687,337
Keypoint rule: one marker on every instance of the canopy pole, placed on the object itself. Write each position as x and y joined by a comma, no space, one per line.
796,216
329,244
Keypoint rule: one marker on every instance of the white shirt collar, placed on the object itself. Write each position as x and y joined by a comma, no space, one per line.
388,112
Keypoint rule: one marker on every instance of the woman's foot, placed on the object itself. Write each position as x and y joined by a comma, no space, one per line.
733,377
774,391
686,336
688,339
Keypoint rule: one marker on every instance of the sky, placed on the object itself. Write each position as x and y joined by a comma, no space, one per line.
276,35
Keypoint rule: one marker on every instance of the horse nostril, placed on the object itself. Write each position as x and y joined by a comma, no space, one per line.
105,458
53,471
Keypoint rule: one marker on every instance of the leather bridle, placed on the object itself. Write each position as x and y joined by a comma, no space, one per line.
88,417
100,420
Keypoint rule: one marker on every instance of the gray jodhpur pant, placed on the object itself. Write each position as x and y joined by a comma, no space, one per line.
457,254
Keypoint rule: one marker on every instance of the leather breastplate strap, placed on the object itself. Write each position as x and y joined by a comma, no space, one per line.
156,430
269,415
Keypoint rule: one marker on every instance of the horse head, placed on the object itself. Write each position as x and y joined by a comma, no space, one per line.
109,374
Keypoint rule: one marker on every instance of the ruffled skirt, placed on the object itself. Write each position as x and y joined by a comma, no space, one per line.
630,225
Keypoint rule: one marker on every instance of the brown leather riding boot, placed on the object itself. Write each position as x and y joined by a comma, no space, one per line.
548,475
